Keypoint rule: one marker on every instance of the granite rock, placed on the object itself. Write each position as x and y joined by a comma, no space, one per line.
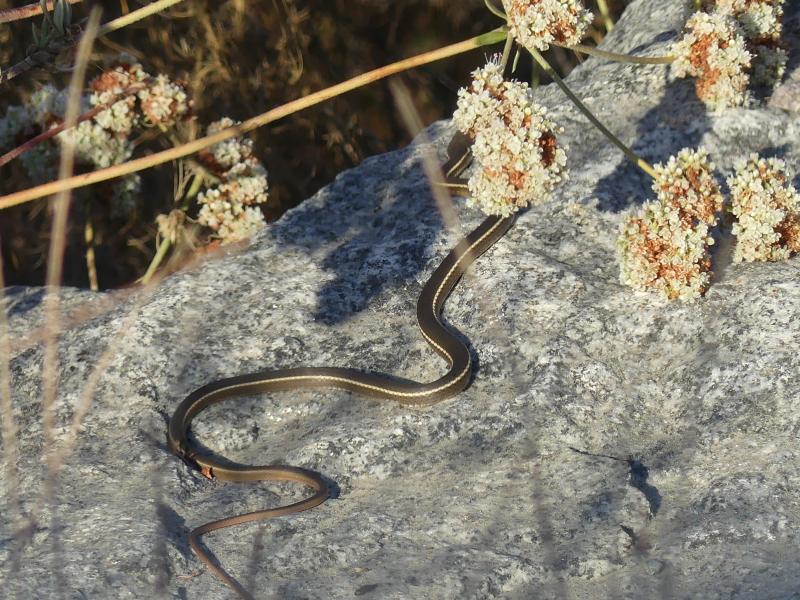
611,445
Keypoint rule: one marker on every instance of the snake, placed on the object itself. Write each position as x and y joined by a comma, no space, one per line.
441,337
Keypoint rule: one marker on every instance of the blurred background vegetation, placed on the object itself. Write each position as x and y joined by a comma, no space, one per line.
238,58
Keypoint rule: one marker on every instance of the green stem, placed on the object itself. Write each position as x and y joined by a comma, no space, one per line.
625,58
494,10
163,248
635,158
194,189
507,50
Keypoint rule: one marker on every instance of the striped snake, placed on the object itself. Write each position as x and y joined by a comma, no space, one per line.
405,392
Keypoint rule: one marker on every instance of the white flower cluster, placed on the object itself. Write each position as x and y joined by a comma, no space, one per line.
539,23
105,139
517,158
666,246
161,102
761,22
93,145
767,208
686,182
714,51
759,18
231,208
658,253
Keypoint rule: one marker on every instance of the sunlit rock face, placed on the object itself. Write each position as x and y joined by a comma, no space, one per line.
611,445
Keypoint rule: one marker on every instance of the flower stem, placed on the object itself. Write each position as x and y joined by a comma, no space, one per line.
635,158
494,10
163,248
507,50
145,162
625,58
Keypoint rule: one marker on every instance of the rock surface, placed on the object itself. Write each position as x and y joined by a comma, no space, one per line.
611,445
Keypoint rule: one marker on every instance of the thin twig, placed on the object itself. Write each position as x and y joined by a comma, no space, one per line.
137,15
270,116
25,12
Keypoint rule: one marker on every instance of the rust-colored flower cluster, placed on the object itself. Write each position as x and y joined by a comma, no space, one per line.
767,209
733,45
665,247
518,160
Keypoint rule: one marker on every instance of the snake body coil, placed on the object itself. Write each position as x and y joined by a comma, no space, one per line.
406,392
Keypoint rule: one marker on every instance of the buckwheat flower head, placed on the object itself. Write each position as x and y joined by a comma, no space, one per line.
230,220
759,18
164,102
686,183
161,102
767,208
714,51
231,207
518,161
761,22
539,23
658,253
230,153
96,145
122,116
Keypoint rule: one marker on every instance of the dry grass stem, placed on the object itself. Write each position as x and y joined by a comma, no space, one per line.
430,164
270,116
413,123
101,366
137,15
55,263
91,261
605,14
